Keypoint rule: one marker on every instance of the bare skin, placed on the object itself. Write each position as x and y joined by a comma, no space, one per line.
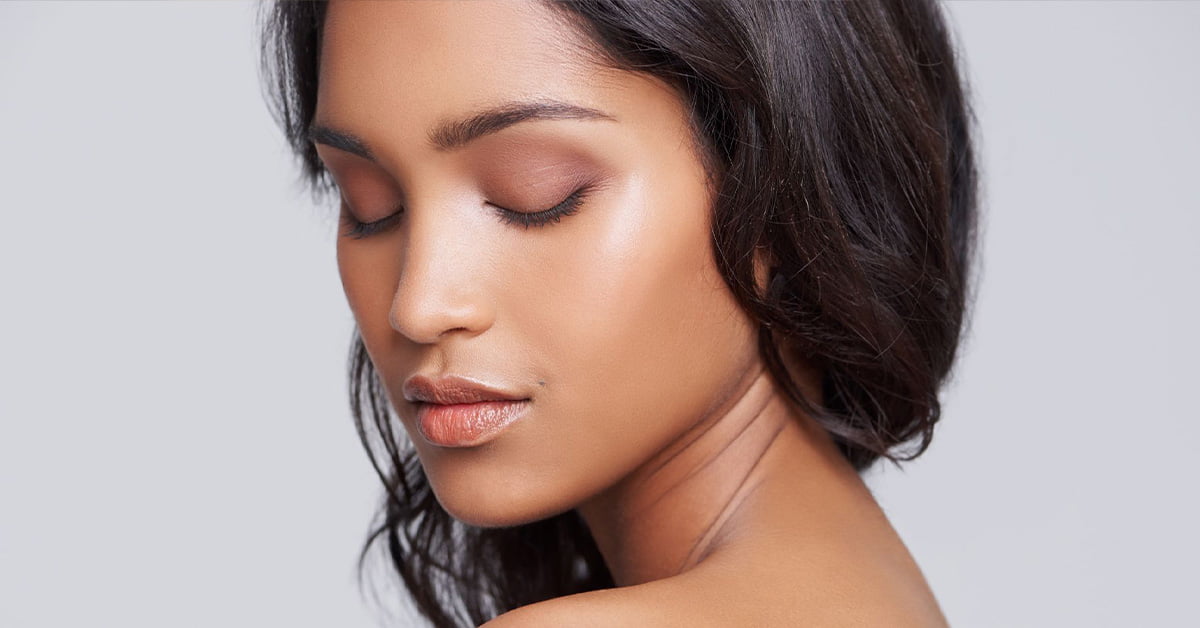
714,500
757,521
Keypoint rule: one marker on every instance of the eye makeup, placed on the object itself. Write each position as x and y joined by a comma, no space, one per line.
566,207
358,230
514,169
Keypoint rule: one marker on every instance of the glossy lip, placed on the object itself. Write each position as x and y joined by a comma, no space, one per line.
457,411
467,424
452,389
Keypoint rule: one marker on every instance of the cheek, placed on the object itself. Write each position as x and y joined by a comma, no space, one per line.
638,330
370,273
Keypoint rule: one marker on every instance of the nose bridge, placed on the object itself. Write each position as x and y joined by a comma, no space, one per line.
441,288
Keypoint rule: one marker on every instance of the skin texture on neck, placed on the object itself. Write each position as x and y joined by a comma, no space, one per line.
756,514
684,503
702,495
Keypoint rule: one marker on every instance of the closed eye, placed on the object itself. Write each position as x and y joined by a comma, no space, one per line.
358,230
566,207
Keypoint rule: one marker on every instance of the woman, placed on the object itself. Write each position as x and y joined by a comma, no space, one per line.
640,289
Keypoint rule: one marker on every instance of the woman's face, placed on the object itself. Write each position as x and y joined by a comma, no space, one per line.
612,321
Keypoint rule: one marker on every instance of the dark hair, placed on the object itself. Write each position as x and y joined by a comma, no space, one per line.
838,135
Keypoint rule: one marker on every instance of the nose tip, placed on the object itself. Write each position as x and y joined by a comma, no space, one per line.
428,322
429,305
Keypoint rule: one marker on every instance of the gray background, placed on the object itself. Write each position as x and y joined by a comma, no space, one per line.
175,448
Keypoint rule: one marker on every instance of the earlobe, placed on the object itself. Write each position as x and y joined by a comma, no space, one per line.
764,267
769,283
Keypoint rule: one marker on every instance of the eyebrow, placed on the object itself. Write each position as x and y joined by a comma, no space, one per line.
459,133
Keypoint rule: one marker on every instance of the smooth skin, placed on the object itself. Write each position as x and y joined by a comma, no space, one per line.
712,498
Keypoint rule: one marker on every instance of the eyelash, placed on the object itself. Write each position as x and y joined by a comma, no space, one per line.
570,205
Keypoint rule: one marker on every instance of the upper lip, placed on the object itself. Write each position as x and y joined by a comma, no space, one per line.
451,389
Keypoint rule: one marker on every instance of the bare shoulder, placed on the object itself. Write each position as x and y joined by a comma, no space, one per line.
659,603
738,594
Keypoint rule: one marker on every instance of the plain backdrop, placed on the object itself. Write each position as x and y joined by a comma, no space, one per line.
175,446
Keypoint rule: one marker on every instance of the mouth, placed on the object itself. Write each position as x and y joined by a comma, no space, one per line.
454,389
467,424
457,411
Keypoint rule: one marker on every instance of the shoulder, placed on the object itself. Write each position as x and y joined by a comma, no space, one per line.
659,603
740,595
615,611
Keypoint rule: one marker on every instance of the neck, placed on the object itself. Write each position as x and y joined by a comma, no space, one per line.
692,498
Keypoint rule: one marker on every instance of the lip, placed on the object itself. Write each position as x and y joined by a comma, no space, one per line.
457,411
467,424
454,389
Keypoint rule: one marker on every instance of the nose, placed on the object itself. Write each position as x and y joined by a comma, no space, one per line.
442,286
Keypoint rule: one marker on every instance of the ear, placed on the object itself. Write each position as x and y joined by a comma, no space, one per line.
807,377
764,263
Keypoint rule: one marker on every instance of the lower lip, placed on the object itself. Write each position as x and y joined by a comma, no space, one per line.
467,424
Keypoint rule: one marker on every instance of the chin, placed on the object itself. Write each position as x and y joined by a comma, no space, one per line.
485,498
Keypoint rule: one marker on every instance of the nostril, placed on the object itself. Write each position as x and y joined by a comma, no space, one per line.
429,316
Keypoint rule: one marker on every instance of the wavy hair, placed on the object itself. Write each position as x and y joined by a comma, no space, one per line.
839,138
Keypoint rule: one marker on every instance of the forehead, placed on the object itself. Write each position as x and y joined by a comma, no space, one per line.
423,61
